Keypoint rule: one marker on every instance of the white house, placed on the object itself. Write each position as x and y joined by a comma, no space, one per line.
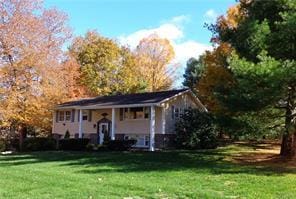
147,117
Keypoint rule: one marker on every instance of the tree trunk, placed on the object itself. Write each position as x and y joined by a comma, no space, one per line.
22,135
288,146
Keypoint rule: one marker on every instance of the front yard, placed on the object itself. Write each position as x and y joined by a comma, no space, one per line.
234,171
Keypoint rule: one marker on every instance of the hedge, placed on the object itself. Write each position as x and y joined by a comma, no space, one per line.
39,144
73,144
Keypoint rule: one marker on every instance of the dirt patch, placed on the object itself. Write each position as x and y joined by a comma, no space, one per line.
262,154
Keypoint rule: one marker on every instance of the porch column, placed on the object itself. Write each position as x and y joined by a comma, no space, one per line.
113,125
80,123
152,128
163,122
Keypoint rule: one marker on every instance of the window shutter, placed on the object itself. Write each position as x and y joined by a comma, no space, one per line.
73,115
78,115
89,115
57,116
121,114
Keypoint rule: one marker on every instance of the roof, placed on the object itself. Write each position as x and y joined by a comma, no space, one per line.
128,99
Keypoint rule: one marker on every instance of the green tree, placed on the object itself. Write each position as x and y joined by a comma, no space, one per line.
193,73
196,130
264,66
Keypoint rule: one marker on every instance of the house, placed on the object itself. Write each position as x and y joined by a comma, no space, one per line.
147,117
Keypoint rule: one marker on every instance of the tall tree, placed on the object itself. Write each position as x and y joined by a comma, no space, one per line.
70,72
215,76
106,67
193,73
154,59
264,67
31,40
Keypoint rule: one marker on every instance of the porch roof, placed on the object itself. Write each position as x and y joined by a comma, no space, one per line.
148,98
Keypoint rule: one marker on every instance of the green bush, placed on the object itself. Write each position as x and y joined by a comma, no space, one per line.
196,130
74,144
39,144
67,135
96,147
2,145
121,145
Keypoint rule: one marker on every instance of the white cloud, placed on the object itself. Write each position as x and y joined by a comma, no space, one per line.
188,49
169,31
180,20
173,30
210,16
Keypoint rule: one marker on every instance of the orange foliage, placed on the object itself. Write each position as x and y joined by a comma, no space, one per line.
215,74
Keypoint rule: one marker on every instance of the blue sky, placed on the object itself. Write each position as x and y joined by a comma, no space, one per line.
181,21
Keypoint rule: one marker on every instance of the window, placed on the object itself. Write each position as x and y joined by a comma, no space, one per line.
64,116
68,116
125,113
146,112
84,115
61,116
177,113
142,140
134,113
147,140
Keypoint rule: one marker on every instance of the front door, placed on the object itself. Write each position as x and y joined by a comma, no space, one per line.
103,131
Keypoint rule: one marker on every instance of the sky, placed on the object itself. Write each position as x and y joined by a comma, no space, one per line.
128,21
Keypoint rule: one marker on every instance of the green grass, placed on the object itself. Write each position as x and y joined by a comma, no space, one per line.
172,174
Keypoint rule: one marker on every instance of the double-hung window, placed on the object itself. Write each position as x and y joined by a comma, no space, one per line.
67,115
84,115
134,113
64,116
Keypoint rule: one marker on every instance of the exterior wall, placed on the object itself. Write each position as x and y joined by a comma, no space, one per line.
164,130
121,127
138,126
184,102
88,127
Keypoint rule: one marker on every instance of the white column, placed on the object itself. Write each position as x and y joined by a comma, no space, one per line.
113,125
80,123
163,122
152,128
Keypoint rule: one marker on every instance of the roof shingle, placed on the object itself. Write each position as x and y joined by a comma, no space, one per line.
128,99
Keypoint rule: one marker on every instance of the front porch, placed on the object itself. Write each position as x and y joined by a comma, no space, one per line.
112,123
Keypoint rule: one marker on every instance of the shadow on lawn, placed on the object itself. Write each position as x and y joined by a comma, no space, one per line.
209,161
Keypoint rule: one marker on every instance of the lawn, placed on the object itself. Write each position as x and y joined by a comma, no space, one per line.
233,171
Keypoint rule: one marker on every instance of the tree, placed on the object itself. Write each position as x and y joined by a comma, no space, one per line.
70,72
106,67
264,64
31,40
215,76
154,58
193,73
196,130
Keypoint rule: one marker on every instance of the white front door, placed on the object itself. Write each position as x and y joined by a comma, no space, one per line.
103,131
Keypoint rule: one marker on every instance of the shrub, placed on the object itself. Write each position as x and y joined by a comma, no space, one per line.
120,145
67,135
39,144
2,145
96,147
196,130
75,144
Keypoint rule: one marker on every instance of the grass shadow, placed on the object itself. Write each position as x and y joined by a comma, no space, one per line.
218,161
